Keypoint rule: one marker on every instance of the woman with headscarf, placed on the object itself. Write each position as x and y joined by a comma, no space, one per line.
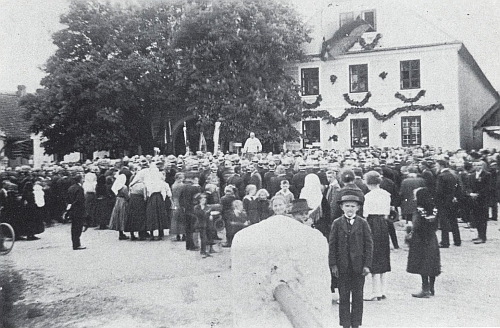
89,186
120,211
137,206
31,212
157,192
313,193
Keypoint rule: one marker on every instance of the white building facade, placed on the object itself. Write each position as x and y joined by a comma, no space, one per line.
401,82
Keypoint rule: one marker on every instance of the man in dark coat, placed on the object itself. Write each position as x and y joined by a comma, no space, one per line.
187,202
480,195
76,211
350,258
446,195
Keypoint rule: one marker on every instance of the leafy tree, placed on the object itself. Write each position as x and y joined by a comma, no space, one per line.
233,58
111,72
118,71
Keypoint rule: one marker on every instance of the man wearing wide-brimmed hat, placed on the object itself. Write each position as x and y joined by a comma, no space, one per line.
350,257
300,210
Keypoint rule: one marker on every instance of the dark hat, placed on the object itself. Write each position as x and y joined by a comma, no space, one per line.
299,205
349,195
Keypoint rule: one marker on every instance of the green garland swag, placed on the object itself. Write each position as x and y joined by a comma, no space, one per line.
493,134
357,103
401,97
369,46
314,105
325,115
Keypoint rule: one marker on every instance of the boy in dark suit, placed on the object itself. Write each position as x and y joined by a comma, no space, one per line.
350,257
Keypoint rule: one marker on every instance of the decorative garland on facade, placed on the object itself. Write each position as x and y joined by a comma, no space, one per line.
357,103
401,97
383,75
369,46
493,134
325,115
314,105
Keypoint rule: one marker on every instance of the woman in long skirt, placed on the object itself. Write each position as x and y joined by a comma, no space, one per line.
31,212
376,210
120,211
137,207
424,257
156,211
178,226
104,197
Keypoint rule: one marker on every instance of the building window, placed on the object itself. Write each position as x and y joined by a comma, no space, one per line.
359,133
311,133
310,81
411,131
358,77
410,74
367,15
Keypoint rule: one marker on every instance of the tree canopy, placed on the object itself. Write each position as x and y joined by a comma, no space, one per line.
116,69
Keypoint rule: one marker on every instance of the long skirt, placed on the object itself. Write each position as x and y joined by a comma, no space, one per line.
33,219
381,262
103,209
136,213
90,207
178,226
119,215
156,213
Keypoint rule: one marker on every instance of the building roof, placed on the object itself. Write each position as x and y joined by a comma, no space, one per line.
490,113
12,122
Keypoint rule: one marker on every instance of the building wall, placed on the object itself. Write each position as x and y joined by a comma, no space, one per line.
474,100
439,78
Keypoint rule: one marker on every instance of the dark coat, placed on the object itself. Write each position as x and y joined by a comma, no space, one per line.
423,256
76,198
447,188
355,247
408,185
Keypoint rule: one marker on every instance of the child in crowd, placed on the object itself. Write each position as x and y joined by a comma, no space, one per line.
285,192
238,220
226,202
263,206
250,204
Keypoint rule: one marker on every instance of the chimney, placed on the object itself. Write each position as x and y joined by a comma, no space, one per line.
21,91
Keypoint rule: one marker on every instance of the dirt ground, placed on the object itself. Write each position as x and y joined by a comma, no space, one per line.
117,284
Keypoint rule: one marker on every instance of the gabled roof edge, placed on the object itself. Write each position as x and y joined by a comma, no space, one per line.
489,113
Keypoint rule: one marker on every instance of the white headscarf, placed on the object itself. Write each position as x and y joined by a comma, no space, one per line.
39,195
312,191
119,183
155,182
90,182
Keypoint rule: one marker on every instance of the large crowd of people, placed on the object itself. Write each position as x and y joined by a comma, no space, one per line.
202,194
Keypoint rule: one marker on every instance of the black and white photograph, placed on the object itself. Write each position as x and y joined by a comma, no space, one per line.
249,163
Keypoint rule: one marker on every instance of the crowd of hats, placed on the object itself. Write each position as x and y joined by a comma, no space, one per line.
359,157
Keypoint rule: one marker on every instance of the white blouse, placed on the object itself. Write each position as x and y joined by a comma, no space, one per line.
377,202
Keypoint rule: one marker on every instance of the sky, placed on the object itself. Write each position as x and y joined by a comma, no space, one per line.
26,27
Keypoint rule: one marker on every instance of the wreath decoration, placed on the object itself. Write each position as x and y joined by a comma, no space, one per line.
313,105
325,115
357,103
369,46
401,97
383,135
333,78
383,75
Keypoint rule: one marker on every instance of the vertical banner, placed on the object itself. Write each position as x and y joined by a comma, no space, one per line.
186,142
216,137
203,143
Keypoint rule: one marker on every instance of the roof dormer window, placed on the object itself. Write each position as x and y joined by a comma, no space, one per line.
366,15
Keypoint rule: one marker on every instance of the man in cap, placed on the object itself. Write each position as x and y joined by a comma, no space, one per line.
350,257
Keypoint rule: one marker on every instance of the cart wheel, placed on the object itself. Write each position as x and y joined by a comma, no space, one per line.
7,238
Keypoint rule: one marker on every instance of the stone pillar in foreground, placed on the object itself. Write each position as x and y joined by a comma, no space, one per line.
283,257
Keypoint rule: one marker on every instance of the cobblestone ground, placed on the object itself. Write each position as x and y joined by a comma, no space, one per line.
159,284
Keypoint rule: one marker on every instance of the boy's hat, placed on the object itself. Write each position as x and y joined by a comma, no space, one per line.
299,205
347,195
